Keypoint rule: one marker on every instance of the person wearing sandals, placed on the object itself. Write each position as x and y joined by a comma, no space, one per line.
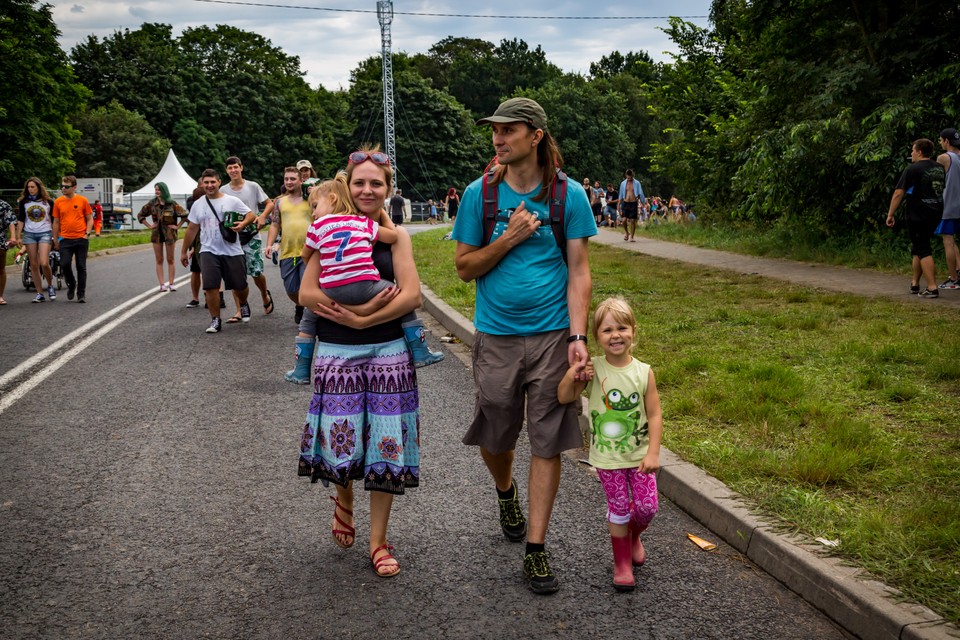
363,427
166,218
35,230
8,238
252,195
221,256
531,320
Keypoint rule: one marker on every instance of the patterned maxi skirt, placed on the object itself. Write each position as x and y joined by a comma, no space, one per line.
364,417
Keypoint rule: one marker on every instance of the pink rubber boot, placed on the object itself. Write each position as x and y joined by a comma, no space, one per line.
622,567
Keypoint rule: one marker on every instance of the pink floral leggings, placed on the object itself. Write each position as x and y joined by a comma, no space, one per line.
619,484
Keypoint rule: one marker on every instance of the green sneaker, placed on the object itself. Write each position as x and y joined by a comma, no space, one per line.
512,522
537,571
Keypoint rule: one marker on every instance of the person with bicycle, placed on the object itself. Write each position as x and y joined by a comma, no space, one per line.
35,231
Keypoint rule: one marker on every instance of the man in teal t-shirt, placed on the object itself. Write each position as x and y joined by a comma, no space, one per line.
531,320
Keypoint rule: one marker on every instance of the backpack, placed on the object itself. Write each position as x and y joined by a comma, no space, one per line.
557,200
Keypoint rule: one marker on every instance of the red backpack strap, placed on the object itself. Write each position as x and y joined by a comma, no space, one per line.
558,202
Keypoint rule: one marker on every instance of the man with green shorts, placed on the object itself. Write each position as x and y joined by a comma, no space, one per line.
531,319
252,195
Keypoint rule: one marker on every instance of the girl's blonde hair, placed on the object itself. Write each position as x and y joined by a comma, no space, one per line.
340,191
616,307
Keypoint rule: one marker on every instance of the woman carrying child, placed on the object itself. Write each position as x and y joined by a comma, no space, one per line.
363,423
626,428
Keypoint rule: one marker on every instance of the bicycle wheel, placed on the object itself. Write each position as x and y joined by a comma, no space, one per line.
25,274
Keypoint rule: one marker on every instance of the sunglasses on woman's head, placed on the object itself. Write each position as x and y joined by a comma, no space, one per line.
378,157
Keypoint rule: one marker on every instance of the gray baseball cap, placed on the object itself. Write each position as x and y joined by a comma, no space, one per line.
518,110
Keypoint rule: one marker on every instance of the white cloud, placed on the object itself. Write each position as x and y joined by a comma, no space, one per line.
331,43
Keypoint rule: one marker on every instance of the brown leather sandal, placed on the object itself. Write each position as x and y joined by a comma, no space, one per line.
347,530
382,561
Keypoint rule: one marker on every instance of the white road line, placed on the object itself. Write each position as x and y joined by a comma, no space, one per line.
86,339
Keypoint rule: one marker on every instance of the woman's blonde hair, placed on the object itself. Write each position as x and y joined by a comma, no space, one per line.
340,191
616,307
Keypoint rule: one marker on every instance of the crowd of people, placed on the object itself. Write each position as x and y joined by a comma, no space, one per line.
628,207
347,265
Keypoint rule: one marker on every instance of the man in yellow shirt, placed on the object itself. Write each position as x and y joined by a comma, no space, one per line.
72,224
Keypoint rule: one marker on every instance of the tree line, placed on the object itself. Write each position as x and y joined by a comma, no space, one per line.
797,112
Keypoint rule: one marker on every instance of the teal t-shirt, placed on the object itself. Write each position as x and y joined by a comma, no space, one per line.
526,292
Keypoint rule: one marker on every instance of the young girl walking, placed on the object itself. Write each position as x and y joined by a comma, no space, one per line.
626,428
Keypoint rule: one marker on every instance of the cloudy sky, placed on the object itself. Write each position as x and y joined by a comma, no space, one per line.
332,36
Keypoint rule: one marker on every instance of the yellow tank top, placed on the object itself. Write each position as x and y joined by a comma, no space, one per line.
295,219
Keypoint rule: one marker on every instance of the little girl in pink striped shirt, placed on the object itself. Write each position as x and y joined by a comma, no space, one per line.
344,238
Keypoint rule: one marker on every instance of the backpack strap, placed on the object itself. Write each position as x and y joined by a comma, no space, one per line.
490,204
558,203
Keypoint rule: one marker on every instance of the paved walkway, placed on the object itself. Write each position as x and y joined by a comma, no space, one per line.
863,606
862,282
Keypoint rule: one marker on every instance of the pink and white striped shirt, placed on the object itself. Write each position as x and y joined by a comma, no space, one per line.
345,244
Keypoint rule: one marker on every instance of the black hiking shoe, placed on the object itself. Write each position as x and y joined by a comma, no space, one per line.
537,570
512,522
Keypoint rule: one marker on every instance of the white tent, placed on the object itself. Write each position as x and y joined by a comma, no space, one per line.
172,173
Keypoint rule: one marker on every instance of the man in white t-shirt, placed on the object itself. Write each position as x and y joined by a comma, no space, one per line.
252,195
220,259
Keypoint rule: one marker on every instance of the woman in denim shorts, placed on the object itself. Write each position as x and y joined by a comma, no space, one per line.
35,227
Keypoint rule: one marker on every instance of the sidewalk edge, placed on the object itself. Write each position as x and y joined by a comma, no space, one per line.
851,598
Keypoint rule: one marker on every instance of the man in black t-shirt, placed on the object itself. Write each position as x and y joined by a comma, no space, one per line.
922,184
396,207
610,210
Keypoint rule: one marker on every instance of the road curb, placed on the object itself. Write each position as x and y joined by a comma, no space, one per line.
861,605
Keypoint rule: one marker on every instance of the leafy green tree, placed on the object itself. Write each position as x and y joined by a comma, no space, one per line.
438,145
589,126
801,112
142,70
118,143
215,92
638,64
197,148
40,94
480,75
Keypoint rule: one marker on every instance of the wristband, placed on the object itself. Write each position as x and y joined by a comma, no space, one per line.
577,337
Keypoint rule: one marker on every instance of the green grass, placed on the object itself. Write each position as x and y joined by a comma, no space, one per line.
108,240
834,413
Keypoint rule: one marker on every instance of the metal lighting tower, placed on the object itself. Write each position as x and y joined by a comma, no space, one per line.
385,16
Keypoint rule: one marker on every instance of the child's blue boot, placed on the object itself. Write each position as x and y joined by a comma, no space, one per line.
415,335
301,373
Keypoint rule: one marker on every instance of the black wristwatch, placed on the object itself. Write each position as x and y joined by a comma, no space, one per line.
579,336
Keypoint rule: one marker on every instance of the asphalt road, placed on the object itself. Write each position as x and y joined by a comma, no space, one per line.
148,489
